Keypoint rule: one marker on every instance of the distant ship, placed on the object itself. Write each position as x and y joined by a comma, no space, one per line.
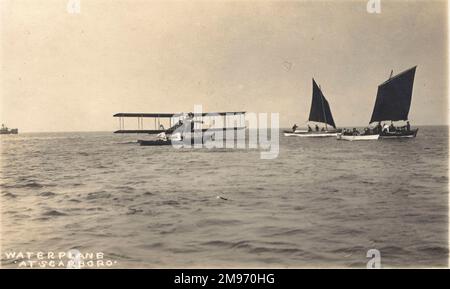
5,130
392,104
320,113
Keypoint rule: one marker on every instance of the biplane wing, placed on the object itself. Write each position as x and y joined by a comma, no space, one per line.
174,119
148,115
170,115
140,116
146,131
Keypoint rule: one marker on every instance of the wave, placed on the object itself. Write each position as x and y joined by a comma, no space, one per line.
95,209
126,189
288,233
46,194
392,250
98,195
30,184
170,203
53,213
254,247
155,245
133,211
218,222
27,185
9,195
435,250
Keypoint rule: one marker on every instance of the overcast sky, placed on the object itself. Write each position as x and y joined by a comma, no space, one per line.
72,72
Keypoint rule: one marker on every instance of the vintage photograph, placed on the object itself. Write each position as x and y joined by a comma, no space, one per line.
224,134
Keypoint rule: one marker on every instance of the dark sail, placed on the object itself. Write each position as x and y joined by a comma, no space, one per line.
320,109
394,97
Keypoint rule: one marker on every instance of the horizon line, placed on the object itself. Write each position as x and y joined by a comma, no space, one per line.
112,131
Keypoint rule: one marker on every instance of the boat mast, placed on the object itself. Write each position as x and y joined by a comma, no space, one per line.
323,108
392,73
390,76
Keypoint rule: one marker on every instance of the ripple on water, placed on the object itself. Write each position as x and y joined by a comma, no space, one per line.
9,195
218,222
98,195
46,194
289,232
53,213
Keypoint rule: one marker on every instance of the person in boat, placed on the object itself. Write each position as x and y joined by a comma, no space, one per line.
317,127
392,127
355,131
378,128
323,129
294,128
408,126
309,128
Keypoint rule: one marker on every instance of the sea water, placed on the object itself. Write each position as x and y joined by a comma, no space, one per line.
320,203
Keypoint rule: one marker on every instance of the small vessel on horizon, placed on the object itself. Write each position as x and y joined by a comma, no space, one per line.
320,113
392,104
6,130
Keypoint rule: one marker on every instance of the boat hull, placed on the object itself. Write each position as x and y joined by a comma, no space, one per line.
399,134
10,131
174,142
310,134
341,136
154,142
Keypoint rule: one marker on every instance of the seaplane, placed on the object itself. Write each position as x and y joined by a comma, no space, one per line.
392,104
320,114
183,128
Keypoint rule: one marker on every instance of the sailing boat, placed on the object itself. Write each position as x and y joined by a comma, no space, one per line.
320,113
392,104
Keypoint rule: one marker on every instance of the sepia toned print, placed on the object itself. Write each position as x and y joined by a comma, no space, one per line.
224,134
